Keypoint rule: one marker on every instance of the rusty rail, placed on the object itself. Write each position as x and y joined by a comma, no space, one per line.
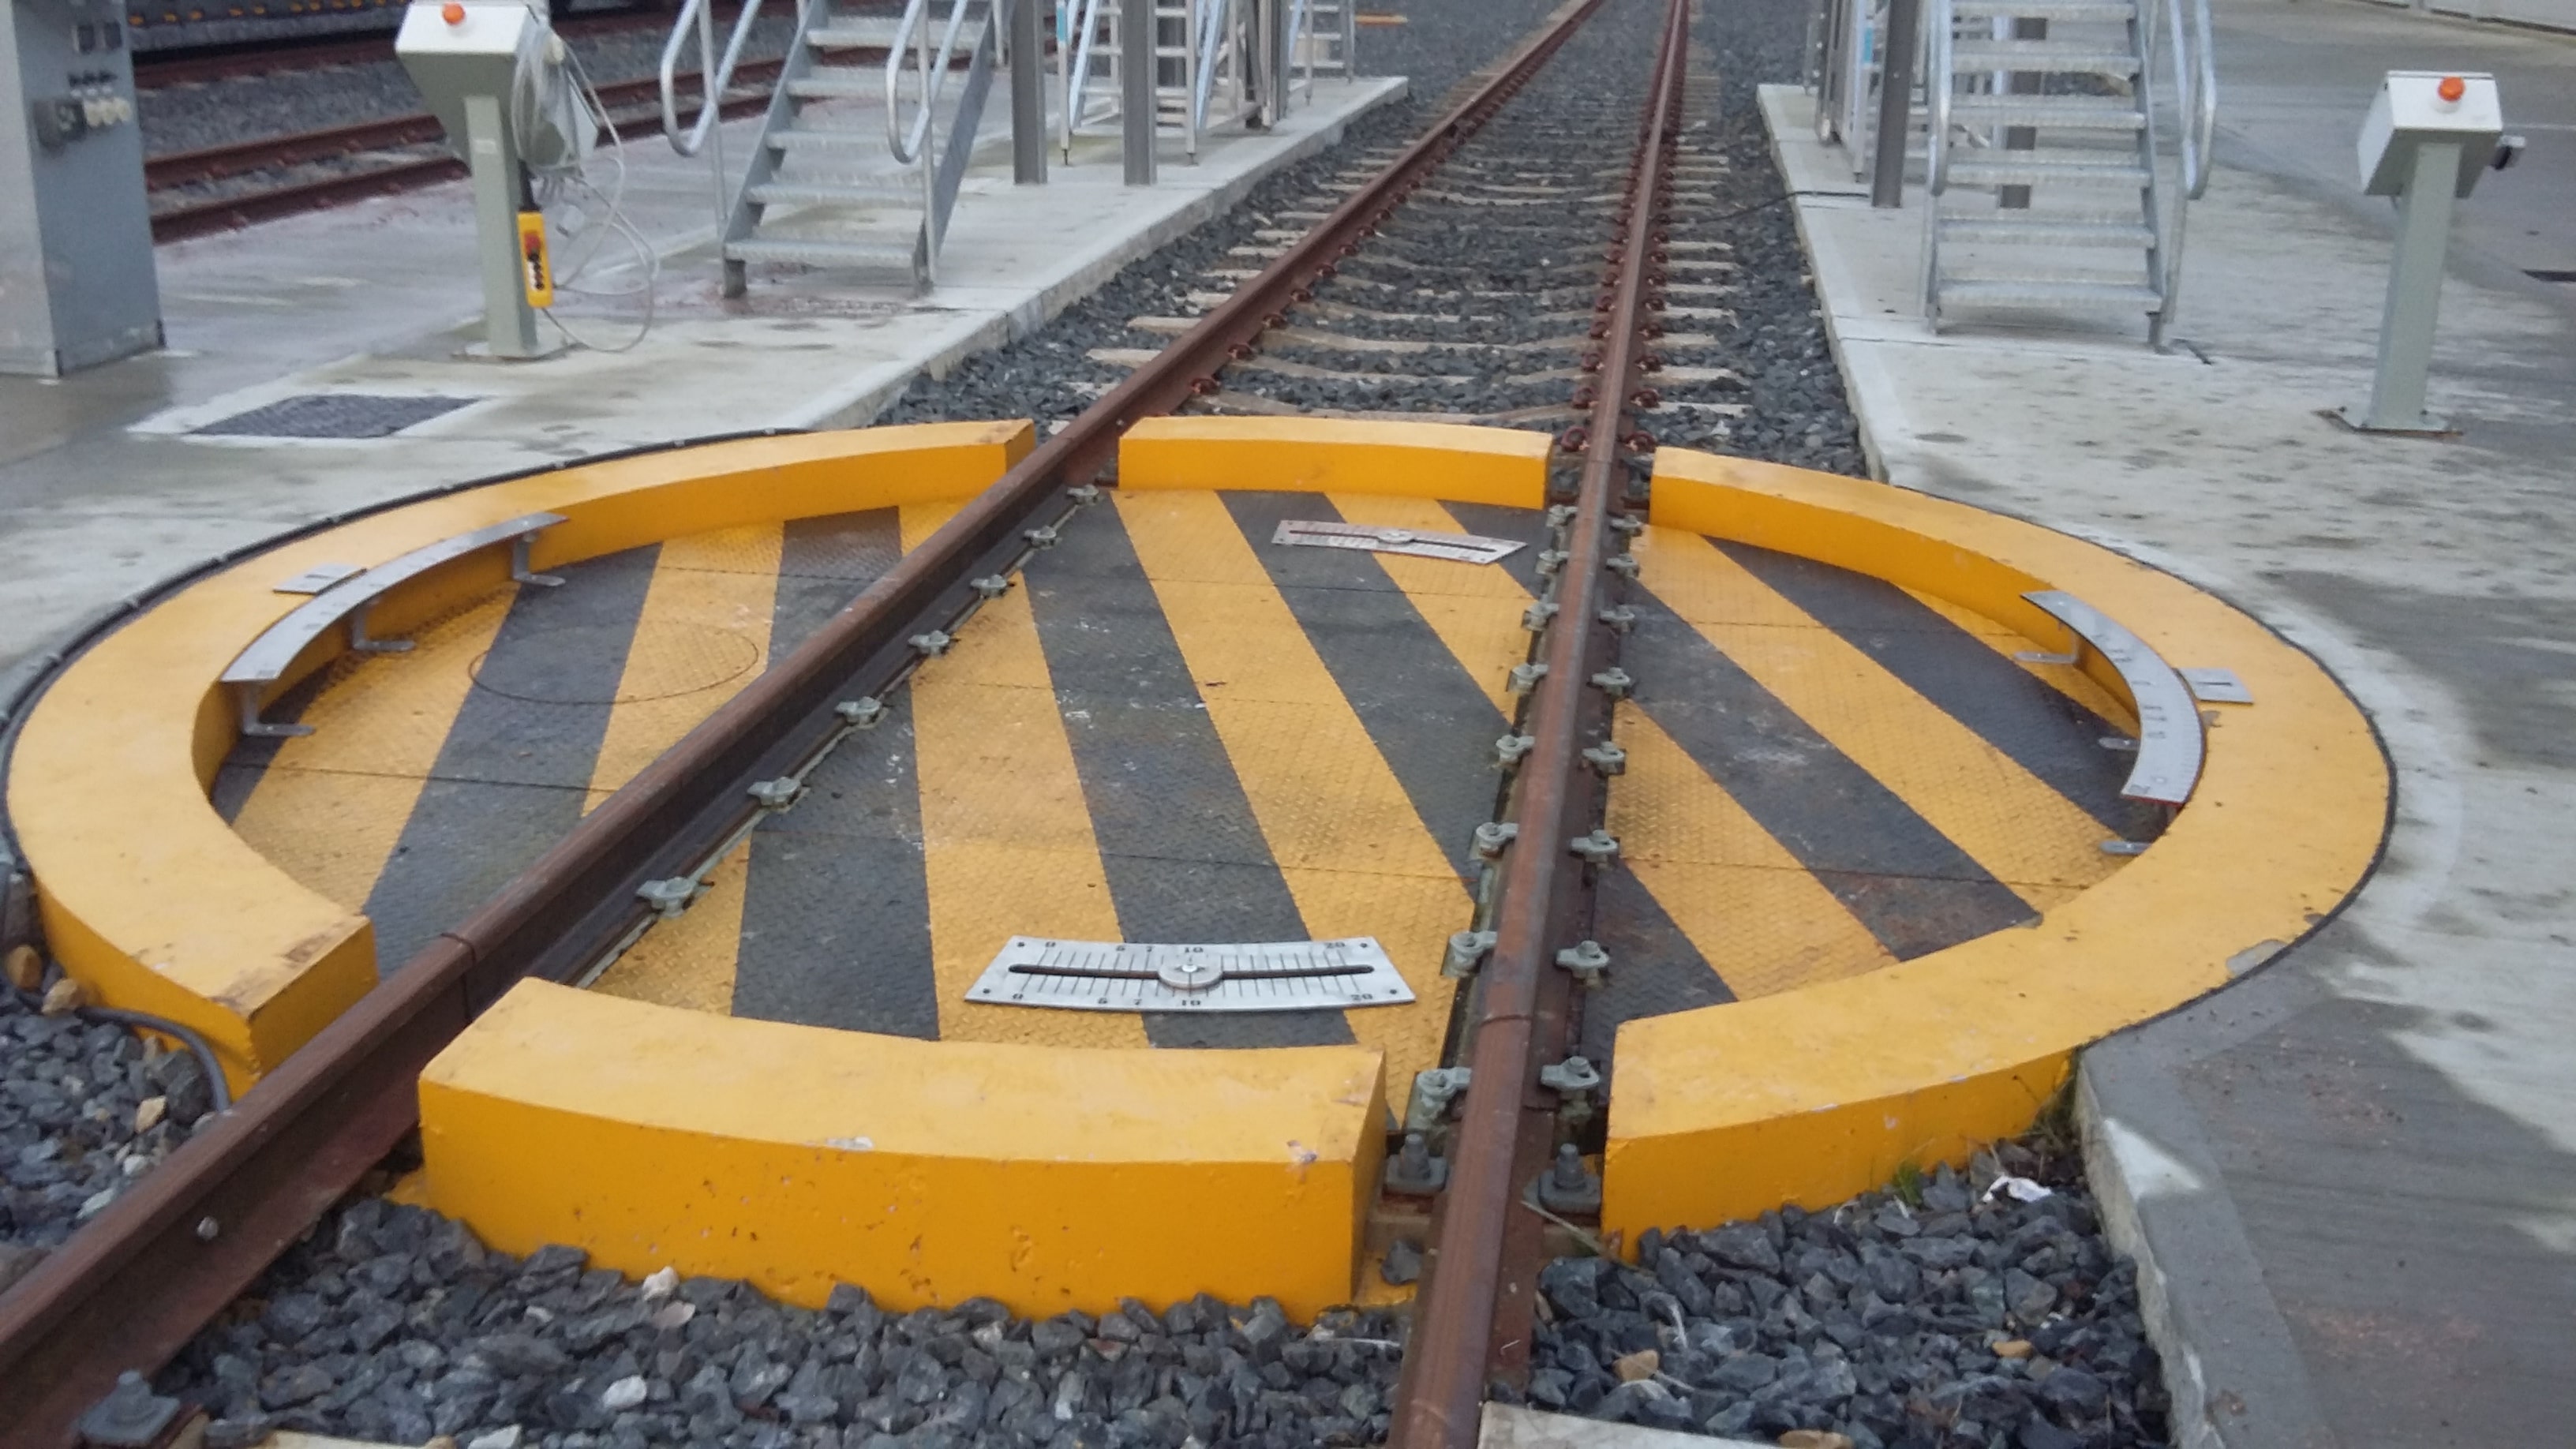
229,213
1472,1321
130,1290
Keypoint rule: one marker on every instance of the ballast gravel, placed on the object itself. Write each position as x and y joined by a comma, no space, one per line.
85,1109
1953,1317
394,1324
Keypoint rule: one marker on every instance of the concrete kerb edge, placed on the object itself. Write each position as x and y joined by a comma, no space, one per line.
862,403
1770,96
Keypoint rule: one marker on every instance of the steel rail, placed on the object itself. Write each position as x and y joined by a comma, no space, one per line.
229,213
129,1290
1476,1306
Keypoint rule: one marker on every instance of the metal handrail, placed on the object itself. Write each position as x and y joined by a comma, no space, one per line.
1938,25
699,15
934,75
2205,110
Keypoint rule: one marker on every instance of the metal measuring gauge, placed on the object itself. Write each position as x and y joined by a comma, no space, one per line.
1460,547
1253,976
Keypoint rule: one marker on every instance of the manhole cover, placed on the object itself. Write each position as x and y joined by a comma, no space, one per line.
564,666
333,415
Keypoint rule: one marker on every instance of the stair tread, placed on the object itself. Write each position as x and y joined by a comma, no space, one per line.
2045,9
2041,55
2108,113
852,33
820,250
904,190
844,80
2007,168
2002,226
2045,291
826,137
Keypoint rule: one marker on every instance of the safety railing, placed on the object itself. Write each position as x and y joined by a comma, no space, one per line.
1940,29
912,43
2195,68
697,21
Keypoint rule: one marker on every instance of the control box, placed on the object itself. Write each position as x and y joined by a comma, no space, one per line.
2416,107
499,48
76,280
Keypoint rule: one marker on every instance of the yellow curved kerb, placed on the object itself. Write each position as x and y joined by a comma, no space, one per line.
154,904
1811,1095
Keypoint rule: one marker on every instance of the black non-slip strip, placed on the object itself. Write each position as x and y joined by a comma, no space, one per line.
2046,733
836,907
1525,526
1910,885
515,769
1654,968
1185,857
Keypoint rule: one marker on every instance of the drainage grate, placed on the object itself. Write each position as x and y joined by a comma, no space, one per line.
333,415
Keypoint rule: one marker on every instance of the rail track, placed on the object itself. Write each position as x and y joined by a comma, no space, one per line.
402,153
198,65
166,1258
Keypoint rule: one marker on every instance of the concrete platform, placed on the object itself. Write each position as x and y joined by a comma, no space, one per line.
2352,1176
104,489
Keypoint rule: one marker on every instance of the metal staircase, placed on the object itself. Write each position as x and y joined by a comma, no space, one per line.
849,211
2044,177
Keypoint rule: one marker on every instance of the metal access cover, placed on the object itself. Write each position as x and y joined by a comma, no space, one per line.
1462,547
333,415
1256,976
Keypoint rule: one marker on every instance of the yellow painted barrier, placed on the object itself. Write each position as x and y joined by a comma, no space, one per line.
1812,1095
930,1172
155,905
1453,461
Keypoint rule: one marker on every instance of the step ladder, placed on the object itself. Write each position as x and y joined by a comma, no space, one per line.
826,189
1321,43
1206,53
2045,190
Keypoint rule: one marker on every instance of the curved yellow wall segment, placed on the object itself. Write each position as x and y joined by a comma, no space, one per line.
1812,1095
155,904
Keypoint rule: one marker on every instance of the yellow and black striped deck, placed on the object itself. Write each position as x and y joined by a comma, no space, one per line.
1177,731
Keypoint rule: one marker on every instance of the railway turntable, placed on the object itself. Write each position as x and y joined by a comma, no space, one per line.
1902,802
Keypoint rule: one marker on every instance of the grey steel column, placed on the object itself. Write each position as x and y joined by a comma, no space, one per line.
1896,100
2023,138
2414,294
1136,74
1272,17
1028,94
509,323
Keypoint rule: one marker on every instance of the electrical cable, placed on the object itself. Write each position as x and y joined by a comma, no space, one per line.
220,1090
564,177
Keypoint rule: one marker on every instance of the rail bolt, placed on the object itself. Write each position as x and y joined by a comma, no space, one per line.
1467,950
1585,397
1494,837
861,713
1302,294
1434,1088
1600,330
1535,617
990,586
1622,564
1568,1186
1413,1171
1204,386
130,1417
1591,362
932,644
776,794
1620,618
1574,439
1646,397
1584,961
1607,758
1239,351
1525,677
1600,848
1511,749
1549,561
1614,682
1573,1075
1651,362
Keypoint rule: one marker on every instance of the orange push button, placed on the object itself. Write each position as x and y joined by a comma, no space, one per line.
2451,88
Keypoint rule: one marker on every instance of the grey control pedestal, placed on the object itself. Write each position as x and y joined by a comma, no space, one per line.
76,281
2428,138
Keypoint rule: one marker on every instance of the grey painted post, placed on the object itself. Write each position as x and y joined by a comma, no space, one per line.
2414,294
1896,101
1137,72
509,323
1028,94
